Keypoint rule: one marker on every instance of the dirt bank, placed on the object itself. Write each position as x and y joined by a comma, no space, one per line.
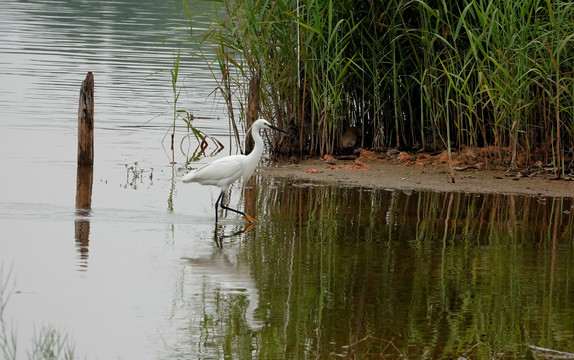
408,172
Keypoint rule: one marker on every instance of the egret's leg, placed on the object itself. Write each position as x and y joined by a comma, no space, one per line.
219,199
245,216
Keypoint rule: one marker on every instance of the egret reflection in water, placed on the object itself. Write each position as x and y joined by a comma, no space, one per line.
220,274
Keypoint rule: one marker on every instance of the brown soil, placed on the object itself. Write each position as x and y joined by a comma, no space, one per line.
405,171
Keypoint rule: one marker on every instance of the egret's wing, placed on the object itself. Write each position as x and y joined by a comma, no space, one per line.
220,172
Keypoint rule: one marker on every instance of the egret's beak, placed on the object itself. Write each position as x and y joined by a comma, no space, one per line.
278,129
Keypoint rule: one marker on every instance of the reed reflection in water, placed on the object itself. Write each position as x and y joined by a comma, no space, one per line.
361,273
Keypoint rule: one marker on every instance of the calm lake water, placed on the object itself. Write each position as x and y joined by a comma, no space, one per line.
330,272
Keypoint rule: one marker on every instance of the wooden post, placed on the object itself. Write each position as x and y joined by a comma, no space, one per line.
252,114
252,109
85,171
86,122
84,182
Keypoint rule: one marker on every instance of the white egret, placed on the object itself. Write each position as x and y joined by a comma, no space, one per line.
223,172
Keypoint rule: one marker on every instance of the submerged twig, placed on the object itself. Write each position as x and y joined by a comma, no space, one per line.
550,353
371,337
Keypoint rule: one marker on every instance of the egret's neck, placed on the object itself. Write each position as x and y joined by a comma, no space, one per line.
254,156
258,148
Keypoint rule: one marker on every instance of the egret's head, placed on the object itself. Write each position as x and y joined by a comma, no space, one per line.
264,124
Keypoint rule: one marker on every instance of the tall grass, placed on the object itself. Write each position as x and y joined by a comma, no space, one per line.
407,72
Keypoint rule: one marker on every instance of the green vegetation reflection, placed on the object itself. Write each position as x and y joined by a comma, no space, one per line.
357,273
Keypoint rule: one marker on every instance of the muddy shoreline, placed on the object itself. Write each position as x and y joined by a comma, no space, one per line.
394,174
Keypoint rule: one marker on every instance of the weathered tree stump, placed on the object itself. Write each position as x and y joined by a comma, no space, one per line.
85,171
86,122
84,182
252,109
252,115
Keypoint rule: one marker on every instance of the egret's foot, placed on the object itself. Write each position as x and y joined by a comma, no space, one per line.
250,219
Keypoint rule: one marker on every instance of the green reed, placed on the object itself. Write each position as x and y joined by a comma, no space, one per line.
438,73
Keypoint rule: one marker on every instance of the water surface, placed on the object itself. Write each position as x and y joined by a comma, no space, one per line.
422,275
329,272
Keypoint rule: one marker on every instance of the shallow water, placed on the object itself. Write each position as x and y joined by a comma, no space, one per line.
421,275
330,271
